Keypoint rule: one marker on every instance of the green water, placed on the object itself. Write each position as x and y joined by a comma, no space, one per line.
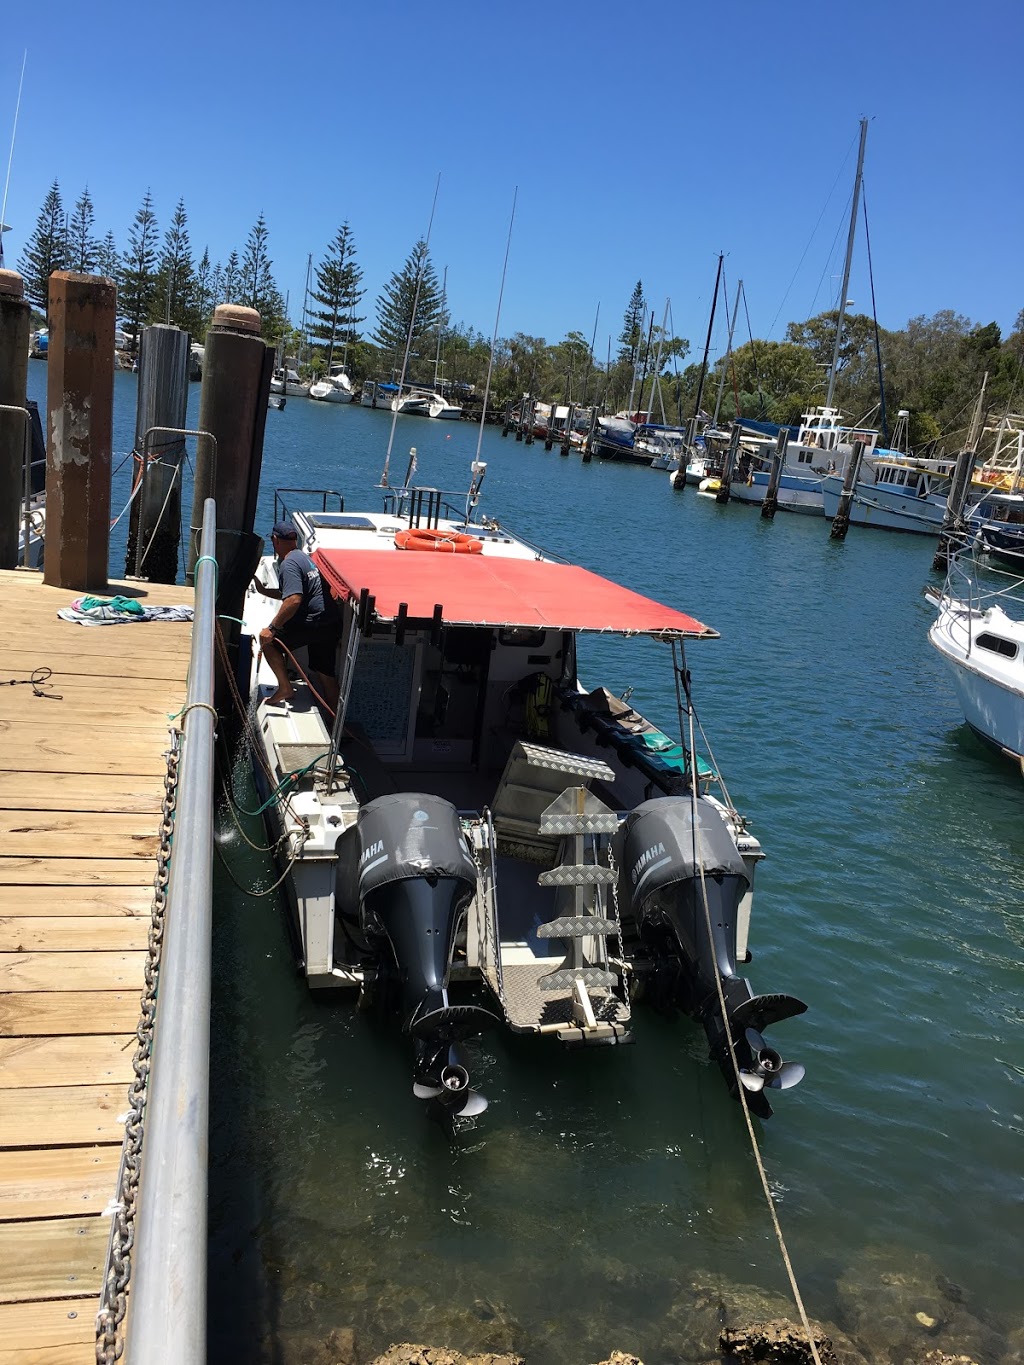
609,1198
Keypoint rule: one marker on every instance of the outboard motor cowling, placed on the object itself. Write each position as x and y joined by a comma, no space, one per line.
405,875
662,851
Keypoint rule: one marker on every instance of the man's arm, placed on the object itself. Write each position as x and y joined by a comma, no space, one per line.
282,616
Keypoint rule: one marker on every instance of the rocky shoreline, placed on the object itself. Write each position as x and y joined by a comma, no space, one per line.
889,1312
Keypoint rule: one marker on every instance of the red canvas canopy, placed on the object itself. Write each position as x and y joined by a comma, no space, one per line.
488,590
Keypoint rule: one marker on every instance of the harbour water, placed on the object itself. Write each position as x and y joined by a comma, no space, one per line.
609,1198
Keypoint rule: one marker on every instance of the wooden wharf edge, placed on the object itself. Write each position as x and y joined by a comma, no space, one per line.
81,786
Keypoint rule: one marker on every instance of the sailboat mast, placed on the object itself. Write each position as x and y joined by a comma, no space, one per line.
707,343
849,260
728,352
440,326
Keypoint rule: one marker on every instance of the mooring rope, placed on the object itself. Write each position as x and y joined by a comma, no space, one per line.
740,1088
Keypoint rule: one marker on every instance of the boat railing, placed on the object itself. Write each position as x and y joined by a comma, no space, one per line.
283,507
978,587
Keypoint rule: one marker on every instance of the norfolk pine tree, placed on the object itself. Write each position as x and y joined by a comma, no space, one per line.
173,299
137,285
397,306
45,251
337,292
83,248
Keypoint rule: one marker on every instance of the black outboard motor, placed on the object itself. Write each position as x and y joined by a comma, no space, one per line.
406,875
660,857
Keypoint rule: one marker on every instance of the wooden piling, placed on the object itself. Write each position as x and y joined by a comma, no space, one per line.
771,498
549,437
79,430
15,325
570,417
530,413
153,537
841,520
237,369
730,463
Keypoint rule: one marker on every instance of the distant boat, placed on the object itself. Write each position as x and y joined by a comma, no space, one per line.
440,406
288,382
414,403
376,394
334,388
276,400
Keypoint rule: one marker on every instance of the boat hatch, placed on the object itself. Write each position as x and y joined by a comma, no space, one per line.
997,645
482,590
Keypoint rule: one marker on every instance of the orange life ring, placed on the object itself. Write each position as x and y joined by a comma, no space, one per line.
430,538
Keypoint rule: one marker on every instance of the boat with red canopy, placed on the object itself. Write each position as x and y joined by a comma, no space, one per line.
474,838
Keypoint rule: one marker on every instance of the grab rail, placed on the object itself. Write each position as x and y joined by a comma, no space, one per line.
167,1321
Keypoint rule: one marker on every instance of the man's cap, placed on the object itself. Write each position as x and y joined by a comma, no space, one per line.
284,530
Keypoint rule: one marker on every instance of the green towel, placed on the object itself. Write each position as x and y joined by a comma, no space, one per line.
126,604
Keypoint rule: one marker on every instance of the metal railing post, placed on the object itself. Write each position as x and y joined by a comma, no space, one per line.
167,1301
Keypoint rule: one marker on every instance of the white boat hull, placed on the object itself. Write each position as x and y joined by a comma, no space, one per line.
989,686
877,505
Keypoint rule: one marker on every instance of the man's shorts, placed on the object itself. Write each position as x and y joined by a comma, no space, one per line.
321,641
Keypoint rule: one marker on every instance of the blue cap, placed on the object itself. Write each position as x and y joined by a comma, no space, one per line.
284,530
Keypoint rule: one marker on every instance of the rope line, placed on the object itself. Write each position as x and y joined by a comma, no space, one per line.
740,1088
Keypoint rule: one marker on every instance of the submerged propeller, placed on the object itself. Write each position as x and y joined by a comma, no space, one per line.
768,1068
452,1091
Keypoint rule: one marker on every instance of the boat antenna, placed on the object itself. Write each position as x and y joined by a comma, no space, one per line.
846,267
408,339
478,468
10,158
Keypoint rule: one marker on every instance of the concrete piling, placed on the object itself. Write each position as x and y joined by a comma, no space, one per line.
153,536
570,418
79,430
15,326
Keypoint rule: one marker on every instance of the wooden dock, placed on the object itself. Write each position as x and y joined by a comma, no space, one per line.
81,785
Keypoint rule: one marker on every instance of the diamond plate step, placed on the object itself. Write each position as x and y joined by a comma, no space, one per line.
595,823
577,874
576,926
562,979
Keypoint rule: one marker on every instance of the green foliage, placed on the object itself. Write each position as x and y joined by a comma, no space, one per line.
631,338
337,291
46,250
83,248
409,308
174,298
137,282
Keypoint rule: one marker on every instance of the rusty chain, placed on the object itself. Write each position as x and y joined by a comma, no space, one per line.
117,1271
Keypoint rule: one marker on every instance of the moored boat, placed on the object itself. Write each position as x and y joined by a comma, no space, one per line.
475,823
287,381
979,632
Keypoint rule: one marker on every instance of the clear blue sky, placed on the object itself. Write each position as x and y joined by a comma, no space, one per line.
643,139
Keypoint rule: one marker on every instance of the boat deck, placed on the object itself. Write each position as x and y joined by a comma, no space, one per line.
81,785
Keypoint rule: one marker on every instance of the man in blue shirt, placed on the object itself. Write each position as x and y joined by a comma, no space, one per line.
307,616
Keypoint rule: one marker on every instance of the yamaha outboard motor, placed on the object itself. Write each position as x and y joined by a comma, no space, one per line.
660,856
406,874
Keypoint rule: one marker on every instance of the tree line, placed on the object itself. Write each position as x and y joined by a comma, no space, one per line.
933,367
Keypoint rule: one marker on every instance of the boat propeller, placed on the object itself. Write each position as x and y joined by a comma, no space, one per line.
452,1092
768,1069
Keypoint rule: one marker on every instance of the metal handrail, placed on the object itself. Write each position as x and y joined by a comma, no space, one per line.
26,514
167,1321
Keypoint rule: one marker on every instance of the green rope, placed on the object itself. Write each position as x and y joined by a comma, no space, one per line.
286,780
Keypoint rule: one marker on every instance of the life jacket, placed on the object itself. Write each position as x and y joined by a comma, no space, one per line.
539,702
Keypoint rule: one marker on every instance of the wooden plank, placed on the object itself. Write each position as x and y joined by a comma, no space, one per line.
63,1114
94,1059
52,1257
79,835
69,901
73,872
170,640
30,584
57,1182
56,1332
107,708
92,971
64,934
22,657
68,733
75,791
61,1013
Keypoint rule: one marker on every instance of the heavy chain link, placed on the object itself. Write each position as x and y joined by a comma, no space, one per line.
118,1269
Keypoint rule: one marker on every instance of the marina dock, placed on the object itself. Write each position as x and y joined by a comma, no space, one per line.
82,766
